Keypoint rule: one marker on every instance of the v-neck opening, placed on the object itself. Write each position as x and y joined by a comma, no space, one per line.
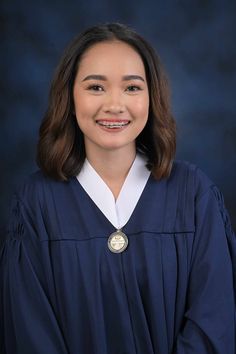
119,211
103,216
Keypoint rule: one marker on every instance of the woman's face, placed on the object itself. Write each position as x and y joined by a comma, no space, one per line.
111,96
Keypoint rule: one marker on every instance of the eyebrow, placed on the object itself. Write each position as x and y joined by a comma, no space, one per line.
103,78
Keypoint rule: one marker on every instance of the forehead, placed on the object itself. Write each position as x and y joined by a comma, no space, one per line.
111,56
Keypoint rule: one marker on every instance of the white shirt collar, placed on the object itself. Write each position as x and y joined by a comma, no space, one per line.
119,211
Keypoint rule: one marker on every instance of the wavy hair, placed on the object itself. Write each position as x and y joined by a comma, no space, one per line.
61,150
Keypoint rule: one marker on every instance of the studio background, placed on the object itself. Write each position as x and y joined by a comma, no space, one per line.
195,40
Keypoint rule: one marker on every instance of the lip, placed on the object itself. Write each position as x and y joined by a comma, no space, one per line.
112,120
113,125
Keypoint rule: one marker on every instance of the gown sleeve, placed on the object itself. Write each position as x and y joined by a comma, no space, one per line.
28,322
209,321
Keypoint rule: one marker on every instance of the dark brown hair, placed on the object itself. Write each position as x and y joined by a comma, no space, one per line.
61,151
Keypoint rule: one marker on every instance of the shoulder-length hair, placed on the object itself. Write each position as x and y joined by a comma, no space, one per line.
61,151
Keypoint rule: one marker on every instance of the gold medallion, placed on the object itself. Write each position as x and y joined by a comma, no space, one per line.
117,242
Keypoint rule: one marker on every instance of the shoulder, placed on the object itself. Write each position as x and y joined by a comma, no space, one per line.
36,188
35,201
184,188
190,177
194,189
32,184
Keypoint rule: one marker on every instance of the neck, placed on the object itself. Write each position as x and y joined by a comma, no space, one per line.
112,166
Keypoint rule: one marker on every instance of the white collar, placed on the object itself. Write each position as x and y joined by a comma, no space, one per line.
117,212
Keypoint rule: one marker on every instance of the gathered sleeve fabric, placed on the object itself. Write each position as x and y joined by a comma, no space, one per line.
28,320
209,320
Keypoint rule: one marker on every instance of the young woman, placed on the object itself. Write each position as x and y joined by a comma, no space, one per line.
113,247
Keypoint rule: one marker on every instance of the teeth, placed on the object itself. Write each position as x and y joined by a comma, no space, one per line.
112,125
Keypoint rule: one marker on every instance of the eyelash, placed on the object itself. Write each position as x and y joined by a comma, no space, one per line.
99,88
95,87
134,88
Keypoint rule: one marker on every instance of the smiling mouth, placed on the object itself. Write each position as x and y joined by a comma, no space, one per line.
113,124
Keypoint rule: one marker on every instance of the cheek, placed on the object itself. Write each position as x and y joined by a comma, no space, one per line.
81,105
141,108
83,109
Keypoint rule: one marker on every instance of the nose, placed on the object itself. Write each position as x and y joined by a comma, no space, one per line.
114,103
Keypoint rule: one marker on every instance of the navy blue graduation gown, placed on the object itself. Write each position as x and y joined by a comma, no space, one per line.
171,291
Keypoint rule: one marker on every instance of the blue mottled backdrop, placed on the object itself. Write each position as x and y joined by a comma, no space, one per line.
196,41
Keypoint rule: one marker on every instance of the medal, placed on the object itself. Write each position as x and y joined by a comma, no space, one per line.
117,242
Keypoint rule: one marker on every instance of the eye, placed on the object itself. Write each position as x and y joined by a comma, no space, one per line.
97,88
133,88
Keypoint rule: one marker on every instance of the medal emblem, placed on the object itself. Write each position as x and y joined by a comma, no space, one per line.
117,242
